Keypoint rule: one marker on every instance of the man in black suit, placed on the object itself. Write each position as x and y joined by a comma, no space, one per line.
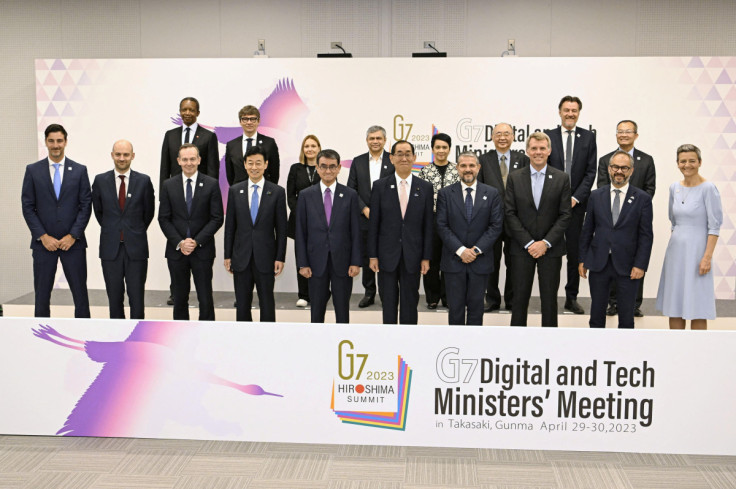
537,207
616,242
400,235
250,118
328,239
574,151
189,215
57,205
255,237
645,178
469,221
495,167
366,169
124,204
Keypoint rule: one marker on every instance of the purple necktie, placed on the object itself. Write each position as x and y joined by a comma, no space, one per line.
328,205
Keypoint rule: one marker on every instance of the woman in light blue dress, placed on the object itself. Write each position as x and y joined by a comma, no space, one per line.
686,289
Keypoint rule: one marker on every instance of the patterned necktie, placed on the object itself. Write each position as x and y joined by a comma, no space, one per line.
568,153
189,203
254,205
469,204
403,197
186,136
57,180
504,170
328,205
616,210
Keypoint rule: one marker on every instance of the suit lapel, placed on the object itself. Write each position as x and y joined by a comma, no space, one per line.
112,189
515,162
264,198
198,191
627,203
496,168
46,177
66,179
527,194
480,196
385,165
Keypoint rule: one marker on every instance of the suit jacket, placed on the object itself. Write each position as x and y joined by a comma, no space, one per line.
629,242
584,156
206,142
297,181
524,223
390,235
44,214
264,240
315,239
490,172
455,231
206,217
133,220
644,176
359,179
234,159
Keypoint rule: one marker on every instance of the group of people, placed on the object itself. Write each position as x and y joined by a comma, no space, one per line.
449,223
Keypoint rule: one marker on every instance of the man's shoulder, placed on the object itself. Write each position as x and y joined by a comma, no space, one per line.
32,167
607,157
487,188
133,173
642,156
234,141
173,132
449,188
554,172
272,187
263,138
341,188
361,159
640,194
489,156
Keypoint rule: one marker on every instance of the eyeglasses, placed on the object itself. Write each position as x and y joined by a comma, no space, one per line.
248,119
626,131
328,167
623,169
401,156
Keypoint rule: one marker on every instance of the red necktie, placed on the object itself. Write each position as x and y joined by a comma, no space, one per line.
121,198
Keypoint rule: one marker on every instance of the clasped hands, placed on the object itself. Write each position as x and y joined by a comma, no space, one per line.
53,244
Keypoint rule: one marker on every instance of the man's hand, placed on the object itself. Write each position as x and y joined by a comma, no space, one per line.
573,202
187,246
66,242
582,271
636,273
278,267
537,249
51,244
373,264
468,256
228,263
353,271
366,212
425,267
305,272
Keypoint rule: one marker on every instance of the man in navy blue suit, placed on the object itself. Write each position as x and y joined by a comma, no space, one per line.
616,242
328,239
124,205
255,237
574,151
57,205
400,235
469,221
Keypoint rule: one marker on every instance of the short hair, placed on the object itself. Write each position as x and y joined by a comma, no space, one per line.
440,136
401,141
330,154
373,129
502,124
619,152
249,110
570,98
190,99
470,154
54,128
302,158
636,126
255,150
539,136
187,146
688,148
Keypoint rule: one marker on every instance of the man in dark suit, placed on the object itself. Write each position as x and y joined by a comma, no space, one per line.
400,235
645,178
537,207
190,214
57,205
250,118
255,237
616,242
328,239
574,151
469,221
366,169
124,204
495,166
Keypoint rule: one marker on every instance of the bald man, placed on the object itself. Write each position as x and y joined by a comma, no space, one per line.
123,202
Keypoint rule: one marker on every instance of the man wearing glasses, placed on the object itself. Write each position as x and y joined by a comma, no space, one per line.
616,242
328,239
645,178
235,150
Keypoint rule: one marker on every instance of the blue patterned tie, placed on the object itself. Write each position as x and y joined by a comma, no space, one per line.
57,180
469,204
254,205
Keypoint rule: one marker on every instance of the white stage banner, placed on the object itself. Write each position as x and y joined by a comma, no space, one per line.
492,387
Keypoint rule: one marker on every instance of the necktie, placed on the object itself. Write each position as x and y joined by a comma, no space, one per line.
249,144
403,198
254,205
504,170
121,198
57,180
186,136
568,153
328,205
189,203
537,190
469,204
616,206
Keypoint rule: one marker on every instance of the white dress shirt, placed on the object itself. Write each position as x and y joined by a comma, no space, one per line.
374,165
117,181
193,129
52,170
194,183
252,184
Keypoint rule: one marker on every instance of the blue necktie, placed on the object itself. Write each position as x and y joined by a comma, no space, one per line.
57,180
254,205
468,204
537,189
189,203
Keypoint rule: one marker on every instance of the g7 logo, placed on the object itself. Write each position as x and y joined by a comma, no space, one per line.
400,126
349,358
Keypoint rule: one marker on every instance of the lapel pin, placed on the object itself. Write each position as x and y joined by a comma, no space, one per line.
416,195
550,177
129,196
485,197
392,186
638,157
241,191
578,134
340,195
268,193
630,200
201,184
69,168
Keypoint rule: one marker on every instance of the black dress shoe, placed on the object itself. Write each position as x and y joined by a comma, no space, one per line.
574,307
170,301
612,310
366,301
432,306
638,313
492,307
